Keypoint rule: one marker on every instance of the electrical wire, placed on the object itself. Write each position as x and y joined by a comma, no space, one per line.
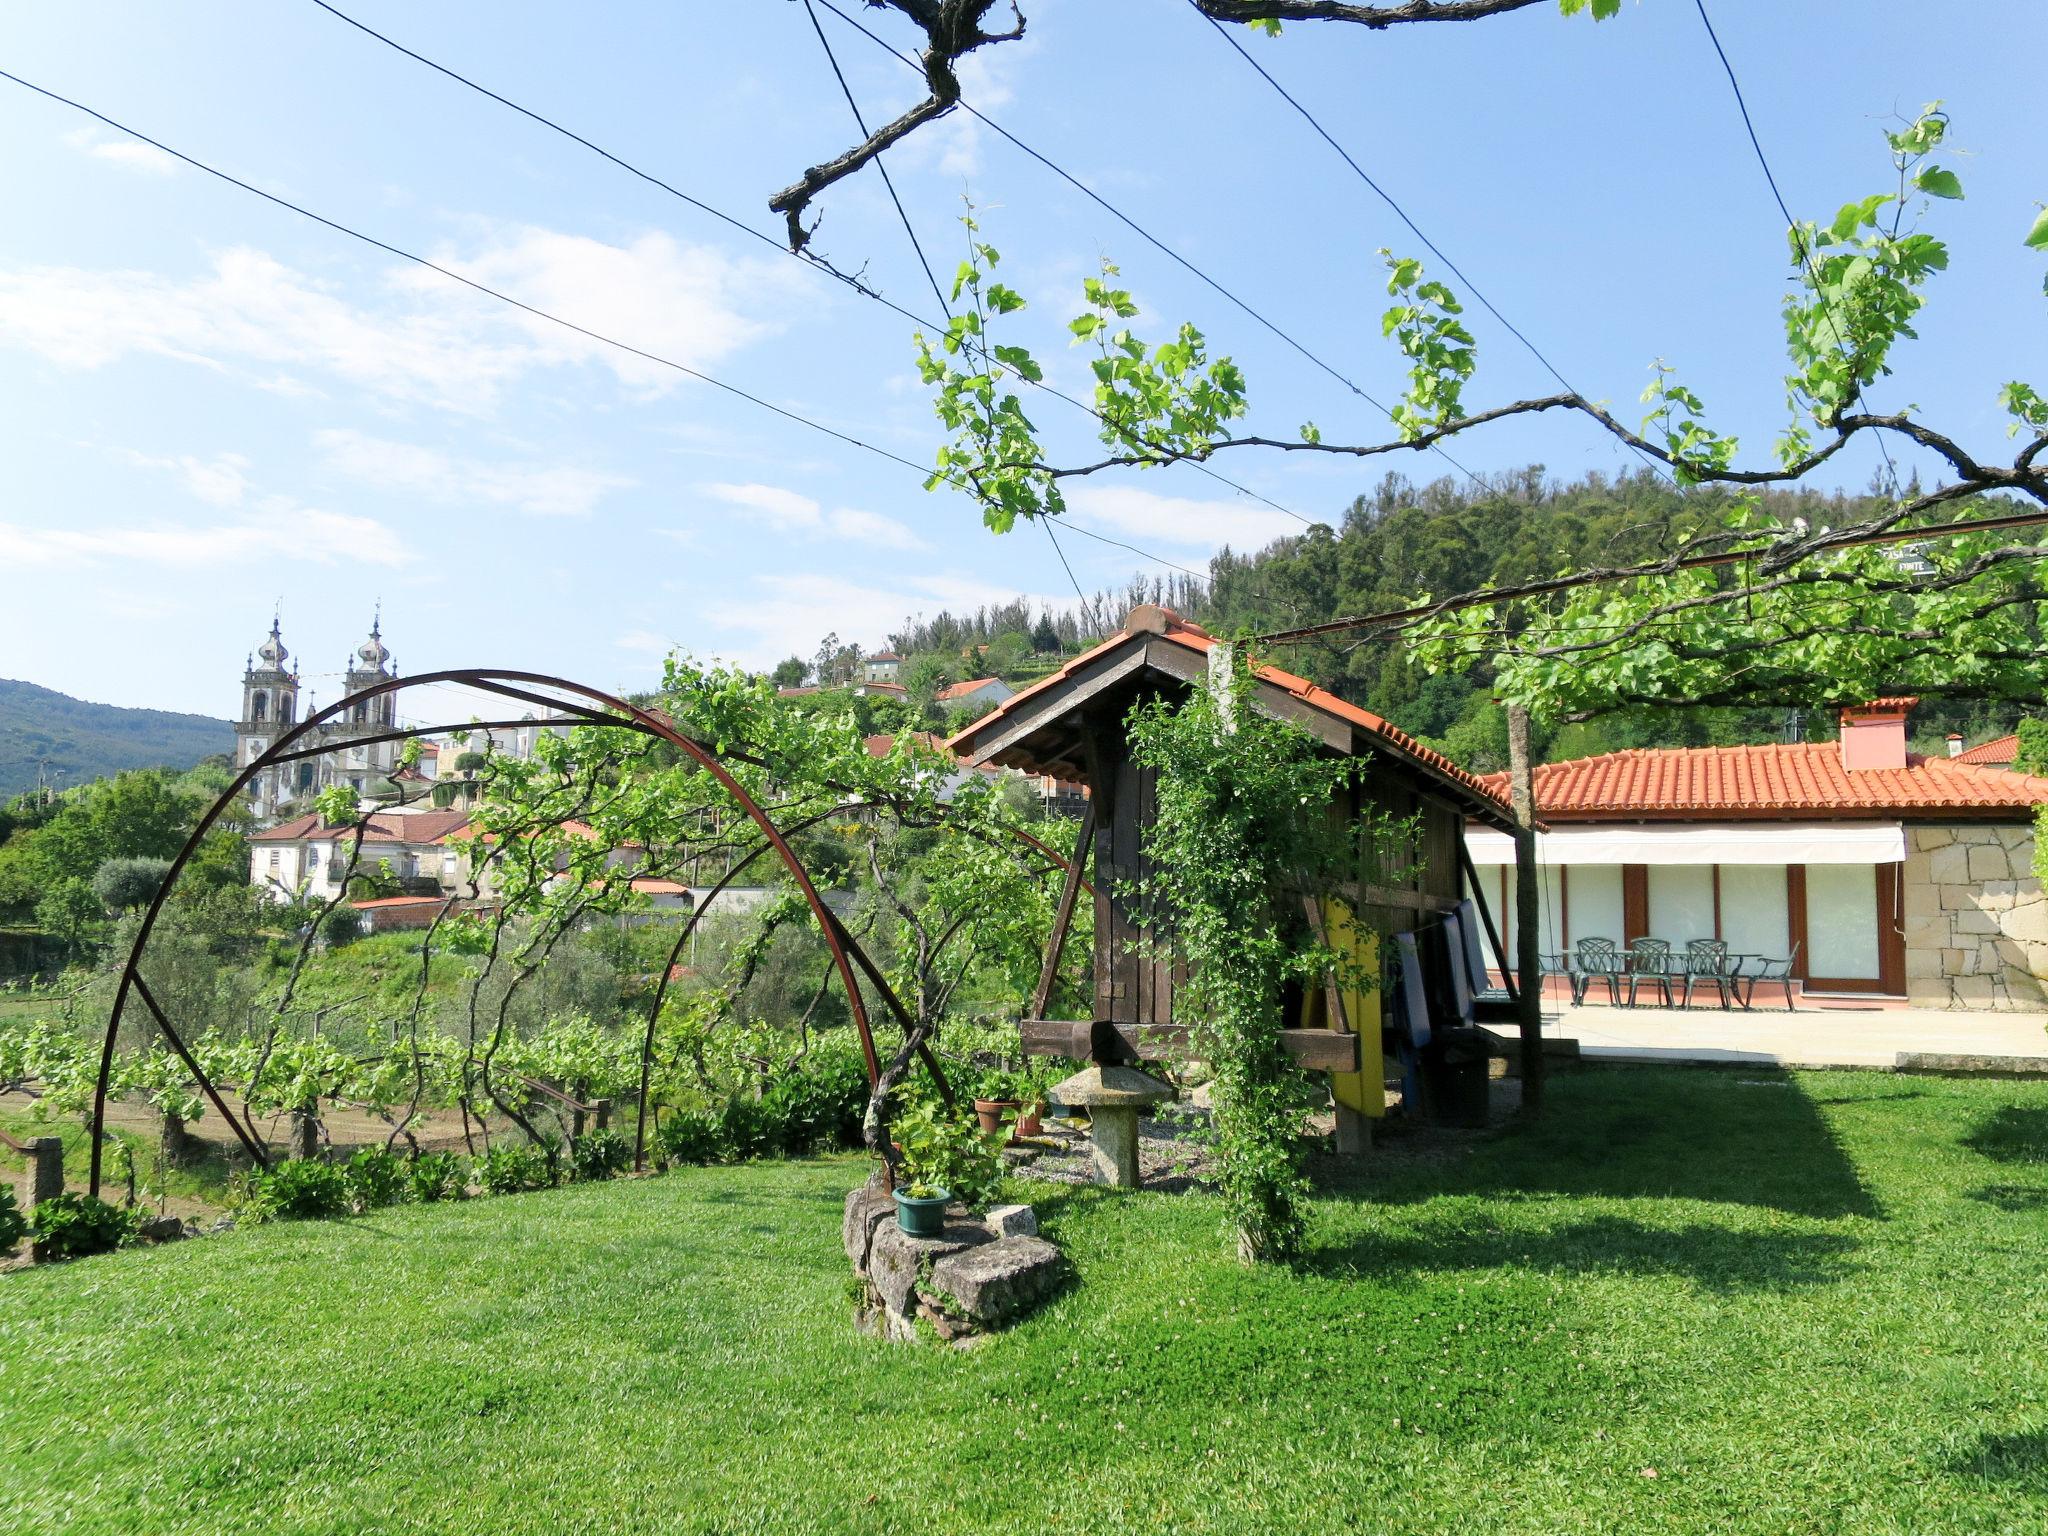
1413,228
806,257
199,165
861,123
1146,235
1805,256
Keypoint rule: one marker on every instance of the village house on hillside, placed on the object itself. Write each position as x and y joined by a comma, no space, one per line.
1879,873
980,693
307,855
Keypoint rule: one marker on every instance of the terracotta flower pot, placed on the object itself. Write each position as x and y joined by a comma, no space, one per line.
992,1112
1028,1120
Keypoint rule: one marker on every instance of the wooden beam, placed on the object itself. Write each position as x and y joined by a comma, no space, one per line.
1317,1050
1045,709
1192,667
1063,918
1363,895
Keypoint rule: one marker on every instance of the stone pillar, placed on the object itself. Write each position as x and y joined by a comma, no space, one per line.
305,1136
1113,1097
1354,1132
45,1179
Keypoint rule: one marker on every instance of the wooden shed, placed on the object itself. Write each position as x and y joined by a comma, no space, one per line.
1072,725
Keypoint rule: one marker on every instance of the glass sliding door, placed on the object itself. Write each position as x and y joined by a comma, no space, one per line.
1841,924
1593,902
1681,902
1755,919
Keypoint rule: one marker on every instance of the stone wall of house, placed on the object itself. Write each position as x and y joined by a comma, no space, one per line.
1976,918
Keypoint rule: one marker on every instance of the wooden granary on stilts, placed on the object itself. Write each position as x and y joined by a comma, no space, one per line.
1428,933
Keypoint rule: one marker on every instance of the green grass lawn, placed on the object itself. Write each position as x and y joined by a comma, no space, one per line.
1814,1304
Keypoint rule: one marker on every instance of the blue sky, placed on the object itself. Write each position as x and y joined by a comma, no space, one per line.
211,404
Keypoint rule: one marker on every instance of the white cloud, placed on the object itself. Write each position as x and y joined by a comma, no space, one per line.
543,490
874,529
1147,517
132,153
787,511
284,532
426,340
686,303
253,309
646,642
788,614
781,509
222,481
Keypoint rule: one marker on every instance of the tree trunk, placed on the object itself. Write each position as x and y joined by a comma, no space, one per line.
1528,962
177,1141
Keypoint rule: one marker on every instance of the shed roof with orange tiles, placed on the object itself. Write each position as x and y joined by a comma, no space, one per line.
1152,622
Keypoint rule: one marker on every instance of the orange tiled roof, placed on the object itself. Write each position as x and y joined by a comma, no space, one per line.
379,903
1195,638
961,690
383,827
1996,753
1800,778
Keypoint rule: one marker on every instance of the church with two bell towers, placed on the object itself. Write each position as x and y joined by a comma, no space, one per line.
348,752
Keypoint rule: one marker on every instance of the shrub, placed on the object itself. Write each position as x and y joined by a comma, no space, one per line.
822,1103
514,1170
11,1224
376,1178
687,1136
437,1176
302,1189
747,1129
943,1150
601,1155
75,1226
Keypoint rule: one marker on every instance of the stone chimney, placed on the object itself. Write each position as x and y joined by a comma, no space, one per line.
1874,734
1955,744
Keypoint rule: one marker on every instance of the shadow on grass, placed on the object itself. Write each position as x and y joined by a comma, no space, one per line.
1639,1132
2011,1135
1712,1257
2013,1197
2020,1461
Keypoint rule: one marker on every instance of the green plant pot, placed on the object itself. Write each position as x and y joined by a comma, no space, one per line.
922,1216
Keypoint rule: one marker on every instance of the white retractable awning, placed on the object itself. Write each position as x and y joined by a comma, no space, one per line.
1745,842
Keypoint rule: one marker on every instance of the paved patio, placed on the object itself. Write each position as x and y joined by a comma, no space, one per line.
1833,1037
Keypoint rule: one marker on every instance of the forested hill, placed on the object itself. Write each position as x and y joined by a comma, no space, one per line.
84,741
1403,541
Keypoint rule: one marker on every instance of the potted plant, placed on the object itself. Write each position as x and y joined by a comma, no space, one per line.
944,1159
996,1101
1034,1086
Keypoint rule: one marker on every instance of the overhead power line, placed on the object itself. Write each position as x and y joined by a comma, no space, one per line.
809,259
1413,228
861,123
1805,256
1147,236
505,298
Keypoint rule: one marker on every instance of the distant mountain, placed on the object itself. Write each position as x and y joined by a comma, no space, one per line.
87,741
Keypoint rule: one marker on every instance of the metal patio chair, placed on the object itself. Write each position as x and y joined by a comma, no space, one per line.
1707,961
1597,960
1650,960
1751,969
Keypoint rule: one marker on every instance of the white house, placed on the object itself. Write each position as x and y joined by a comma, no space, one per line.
1882,873
306,853
978,694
